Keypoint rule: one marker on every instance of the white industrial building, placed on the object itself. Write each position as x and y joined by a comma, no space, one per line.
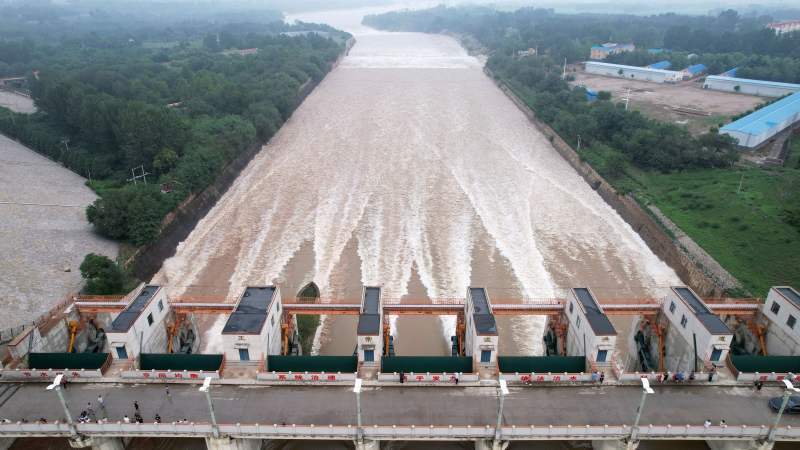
633,72
138,328
253,330
782,310
590,332
759,127
747,86
703,333
370,327
481,342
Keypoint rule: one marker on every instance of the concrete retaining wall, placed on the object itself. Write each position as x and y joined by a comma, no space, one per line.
169,375
305,376
545,377
653,233
39,375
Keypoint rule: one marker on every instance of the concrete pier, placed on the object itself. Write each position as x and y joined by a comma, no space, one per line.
97,442
740,445
228,443
490,444
611,444
367,444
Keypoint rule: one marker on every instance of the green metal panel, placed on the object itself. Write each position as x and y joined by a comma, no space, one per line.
766,364
305,363
179,362
542,364
423,364
67,360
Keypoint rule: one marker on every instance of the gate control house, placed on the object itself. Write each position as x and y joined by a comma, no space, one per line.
253,330
370,326
481,341
782,310
590,332
137,329
698,326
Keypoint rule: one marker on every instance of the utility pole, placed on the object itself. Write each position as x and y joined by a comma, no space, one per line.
56,385
790,389
564,72
359,430
143,175
741,180
579,143
627,98
501,394
646,389
206,389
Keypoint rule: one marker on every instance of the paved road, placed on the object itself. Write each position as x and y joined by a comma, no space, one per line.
406,405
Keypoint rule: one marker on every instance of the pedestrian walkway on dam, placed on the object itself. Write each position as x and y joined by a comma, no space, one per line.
420,406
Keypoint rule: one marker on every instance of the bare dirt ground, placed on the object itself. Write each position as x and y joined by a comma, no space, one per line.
657,100
16,102
43,229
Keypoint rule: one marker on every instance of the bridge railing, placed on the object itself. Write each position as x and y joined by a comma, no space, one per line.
402,432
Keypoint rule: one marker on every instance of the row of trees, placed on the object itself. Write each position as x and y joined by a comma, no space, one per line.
619,136
180,113
751,46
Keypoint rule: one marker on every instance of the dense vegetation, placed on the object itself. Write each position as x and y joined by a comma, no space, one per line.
692,180
105,277
722,42
179,111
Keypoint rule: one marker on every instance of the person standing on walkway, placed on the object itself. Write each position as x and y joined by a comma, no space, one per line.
169,396
126,419
90,412
707,423
602,377
136,405
711,372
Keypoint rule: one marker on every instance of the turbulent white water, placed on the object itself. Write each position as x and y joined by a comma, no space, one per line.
408,169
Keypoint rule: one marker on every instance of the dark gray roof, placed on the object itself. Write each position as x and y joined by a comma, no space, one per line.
371,303
369,324
596,317
711,321
482,315
251,311
790,295
125,319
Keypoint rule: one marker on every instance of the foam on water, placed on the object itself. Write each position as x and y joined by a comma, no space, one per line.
410,150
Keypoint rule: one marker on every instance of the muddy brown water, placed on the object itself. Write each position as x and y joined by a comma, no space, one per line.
407,168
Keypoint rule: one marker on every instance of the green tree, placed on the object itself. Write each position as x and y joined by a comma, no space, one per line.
103,276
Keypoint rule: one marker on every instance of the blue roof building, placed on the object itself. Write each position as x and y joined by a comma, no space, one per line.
755,129
752,87
661,65
695,69
730,72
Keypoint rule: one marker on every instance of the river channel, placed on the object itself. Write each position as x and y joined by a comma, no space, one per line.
407,168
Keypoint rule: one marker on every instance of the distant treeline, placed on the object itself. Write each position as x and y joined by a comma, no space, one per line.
181,112
611,137
571,35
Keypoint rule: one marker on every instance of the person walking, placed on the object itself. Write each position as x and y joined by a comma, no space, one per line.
169,396
712,372
100,402
402,377
90,412
136,405
602,377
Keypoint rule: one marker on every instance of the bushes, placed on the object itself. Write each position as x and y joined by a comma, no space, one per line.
103,276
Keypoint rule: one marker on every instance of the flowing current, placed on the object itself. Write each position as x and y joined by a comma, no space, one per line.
407,168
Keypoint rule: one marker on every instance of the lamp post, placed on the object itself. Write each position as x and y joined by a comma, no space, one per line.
359,431
790,389
646,389
206,389
501,395
56,386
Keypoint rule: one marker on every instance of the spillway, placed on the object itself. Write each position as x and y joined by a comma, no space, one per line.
407,168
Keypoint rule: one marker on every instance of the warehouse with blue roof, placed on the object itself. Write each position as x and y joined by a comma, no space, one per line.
664,65
756,128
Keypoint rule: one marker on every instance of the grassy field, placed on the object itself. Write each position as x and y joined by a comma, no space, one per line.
735,215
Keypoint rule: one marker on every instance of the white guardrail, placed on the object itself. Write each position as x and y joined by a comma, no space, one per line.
772,376
46,375
305,376
405,432
169,375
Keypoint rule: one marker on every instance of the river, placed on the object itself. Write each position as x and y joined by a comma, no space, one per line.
409,169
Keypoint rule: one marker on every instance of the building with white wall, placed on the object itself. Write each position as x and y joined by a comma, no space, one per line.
759,127
609,48
786,26
370,326
693,325
253,330
590,332
782,311
633,72
481,340
139,327
751,87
